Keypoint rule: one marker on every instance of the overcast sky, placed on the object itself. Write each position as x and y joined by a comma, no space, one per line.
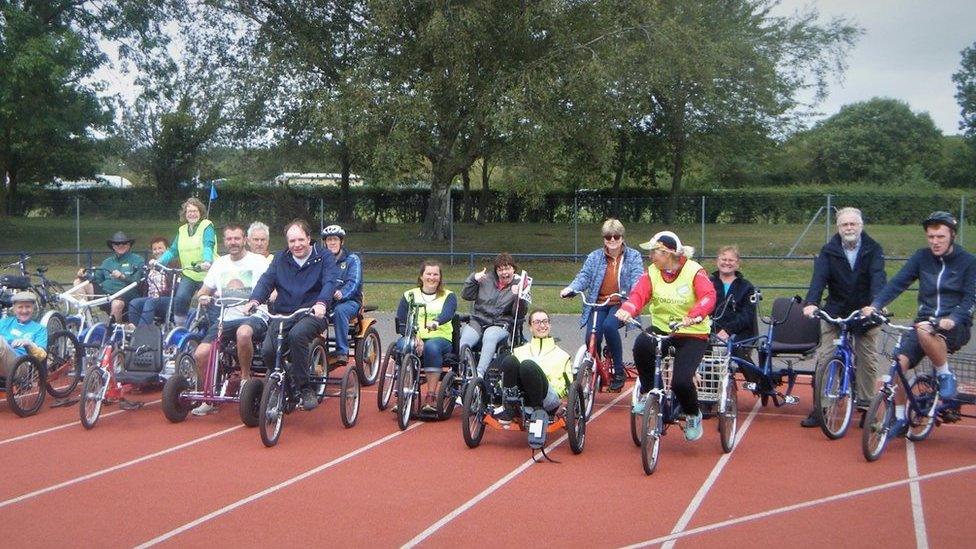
908,51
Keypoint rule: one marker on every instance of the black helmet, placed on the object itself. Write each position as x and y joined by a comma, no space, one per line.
940,218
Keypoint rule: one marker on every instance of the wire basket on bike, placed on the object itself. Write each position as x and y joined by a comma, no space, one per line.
963,365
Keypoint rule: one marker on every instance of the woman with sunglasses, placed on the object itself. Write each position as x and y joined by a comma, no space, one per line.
612,269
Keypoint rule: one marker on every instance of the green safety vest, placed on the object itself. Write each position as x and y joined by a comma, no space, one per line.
190,248
555,362
671,301
433,309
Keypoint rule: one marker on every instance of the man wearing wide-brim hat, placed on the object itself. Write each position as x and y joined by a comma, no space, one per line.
117,271
20,334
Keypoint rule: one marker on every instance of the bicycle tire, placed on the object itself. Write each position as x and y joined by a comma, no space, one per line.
387,378
651,434
407,390
473,413
64,358
834,408
26,386
920,424
576,417
728,421
250,404
368,357
90,404
272,412
877,422
174,409
446,400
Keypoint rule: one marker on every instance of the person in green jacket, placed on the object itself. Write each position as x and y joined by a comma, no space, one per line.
196,246
539,369
117,271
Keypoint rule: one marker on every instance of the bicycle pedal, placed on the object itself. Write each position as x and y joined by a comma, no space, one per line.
749,386
791,400
537,428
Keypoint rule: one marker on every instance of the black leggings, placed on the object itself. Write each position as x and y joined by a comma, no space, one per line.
688,353
527,376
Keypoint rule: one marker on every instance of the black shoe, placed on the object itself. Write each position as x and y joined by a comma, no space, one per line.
310,400
810,421
617,383
505,416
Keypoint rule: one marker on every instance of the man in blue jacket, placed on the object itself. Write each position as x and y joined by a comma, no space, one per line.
946,276
348,296
304,275
851,267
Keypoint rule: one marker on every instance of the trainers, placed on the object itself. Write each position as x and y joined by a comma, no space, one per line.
310,400
947,386
617,383
810,421
693,427
898,428
204,409
429,407
638,408
505,416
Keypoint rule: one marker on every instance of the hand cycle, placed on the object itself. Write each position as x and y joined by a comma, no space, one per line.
924,408
49,305
278,398
180,395
833,399
595,368
717,397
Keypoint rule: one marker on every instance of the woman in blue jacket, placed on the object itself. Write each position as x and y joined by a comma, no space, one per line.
614,268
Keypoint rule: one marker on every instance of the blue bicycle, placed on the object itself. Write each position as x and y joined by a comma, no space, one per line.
833,399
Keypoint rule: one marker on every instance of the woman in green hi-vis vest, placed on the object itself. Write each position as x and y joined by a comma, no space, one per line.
196,246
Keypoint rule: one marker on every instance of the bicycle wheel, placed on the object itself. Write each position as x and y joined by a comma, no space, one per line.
25,386
635,420
445,396
92,393
387,378
186,367
174,408
349,398
877,422
64,357
576,417
54,301
833,404
473,413
250,405
728,421
368,357
55,323
272,411
408,403
651,434
921,422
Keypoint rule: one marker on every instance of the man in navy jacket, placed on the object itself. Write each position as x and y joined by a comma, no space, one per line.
851,267
304,275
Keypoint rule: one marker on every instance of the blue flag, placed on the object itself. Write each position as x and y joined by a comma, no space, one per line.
213,191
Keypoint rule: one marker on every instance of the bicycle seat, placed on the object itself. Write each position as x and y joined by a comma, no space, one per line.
15,282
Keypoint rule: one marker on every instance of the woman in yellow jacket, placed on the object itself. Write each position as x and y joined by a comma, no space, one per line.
196,246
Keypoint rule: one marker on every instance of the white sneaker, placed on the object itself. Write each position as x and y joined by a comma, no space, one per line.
204,409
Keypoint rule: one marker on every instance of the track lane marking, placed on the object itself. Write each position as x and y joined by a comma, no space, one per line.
801,505
915,491
433,528
710,480
114,468
66,425
284,484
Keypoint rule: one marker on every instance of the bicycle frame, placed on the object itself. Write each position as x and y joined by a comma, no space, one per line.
844,351
209,392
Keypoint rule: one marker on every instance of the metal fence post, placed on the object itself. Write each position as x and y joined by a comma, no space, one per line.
321,214
702,226
471,262
450,214
77,231
962,218
576,226
827,220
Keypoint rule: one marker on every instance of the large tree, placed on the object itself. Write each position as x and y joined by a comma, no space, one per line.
965,80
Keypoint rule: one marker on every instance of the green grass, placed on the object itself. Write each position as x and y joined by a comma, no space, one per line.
58,234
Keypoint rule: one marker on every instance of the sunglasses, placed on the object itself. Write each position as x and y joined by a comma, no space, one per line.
609,237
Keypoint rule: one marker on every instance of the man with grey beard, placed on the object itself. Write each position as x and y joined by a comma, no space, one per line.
851,267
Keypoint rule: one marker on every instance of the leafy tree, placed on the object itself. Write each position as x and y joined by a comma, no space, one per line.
876,140
965,81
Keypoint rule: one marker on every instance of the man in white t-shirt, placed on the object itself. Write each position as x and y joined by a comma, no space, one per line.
232,275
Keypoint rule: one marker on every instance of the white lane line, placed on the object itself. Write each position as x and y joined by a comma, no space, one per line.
114,468
419,538
284,484
66,425
801,505
918,513
710,481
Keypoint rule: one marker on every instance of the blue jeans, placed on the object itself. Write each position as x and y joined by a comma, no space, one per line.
144,310
183,296
341,313
608,326
434,350
492,336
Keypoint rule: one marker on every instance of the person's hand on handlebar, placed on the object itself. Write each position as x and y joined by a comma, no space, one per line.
117,274
810,310
722,334
205,299
432,326
689,320
319,310
567,292
866,311
622,316
249,307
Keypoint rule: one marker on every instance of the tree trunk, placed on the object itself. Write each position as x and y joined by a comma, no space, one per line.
622,145
437,220
345,203
466,196
678,145
485,193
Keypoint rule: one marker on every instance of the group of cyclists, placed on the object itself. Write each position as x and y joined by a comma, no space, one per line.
677,294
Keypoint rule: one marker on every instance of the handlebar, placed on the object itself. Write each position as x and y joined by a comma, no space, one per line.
824,315
587,303
229,301
297,312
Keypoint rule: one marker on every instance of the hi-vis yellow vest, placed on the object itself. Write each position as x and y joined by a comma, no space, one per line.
434,309
190,248
671,301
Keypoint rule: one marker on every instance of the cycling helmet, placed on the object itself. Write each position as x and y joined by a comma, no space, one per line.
334,230
940,218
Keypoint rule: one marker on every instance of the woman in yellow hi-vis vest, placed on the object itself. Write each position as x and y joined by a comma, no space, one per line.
435,330
677,289
196,246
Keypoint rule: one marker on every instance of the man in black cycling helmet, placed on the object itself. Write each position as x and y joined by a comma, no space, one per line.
946,275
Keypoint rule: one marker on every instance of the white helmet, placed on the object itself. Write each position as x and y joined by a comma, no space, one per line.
334,230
